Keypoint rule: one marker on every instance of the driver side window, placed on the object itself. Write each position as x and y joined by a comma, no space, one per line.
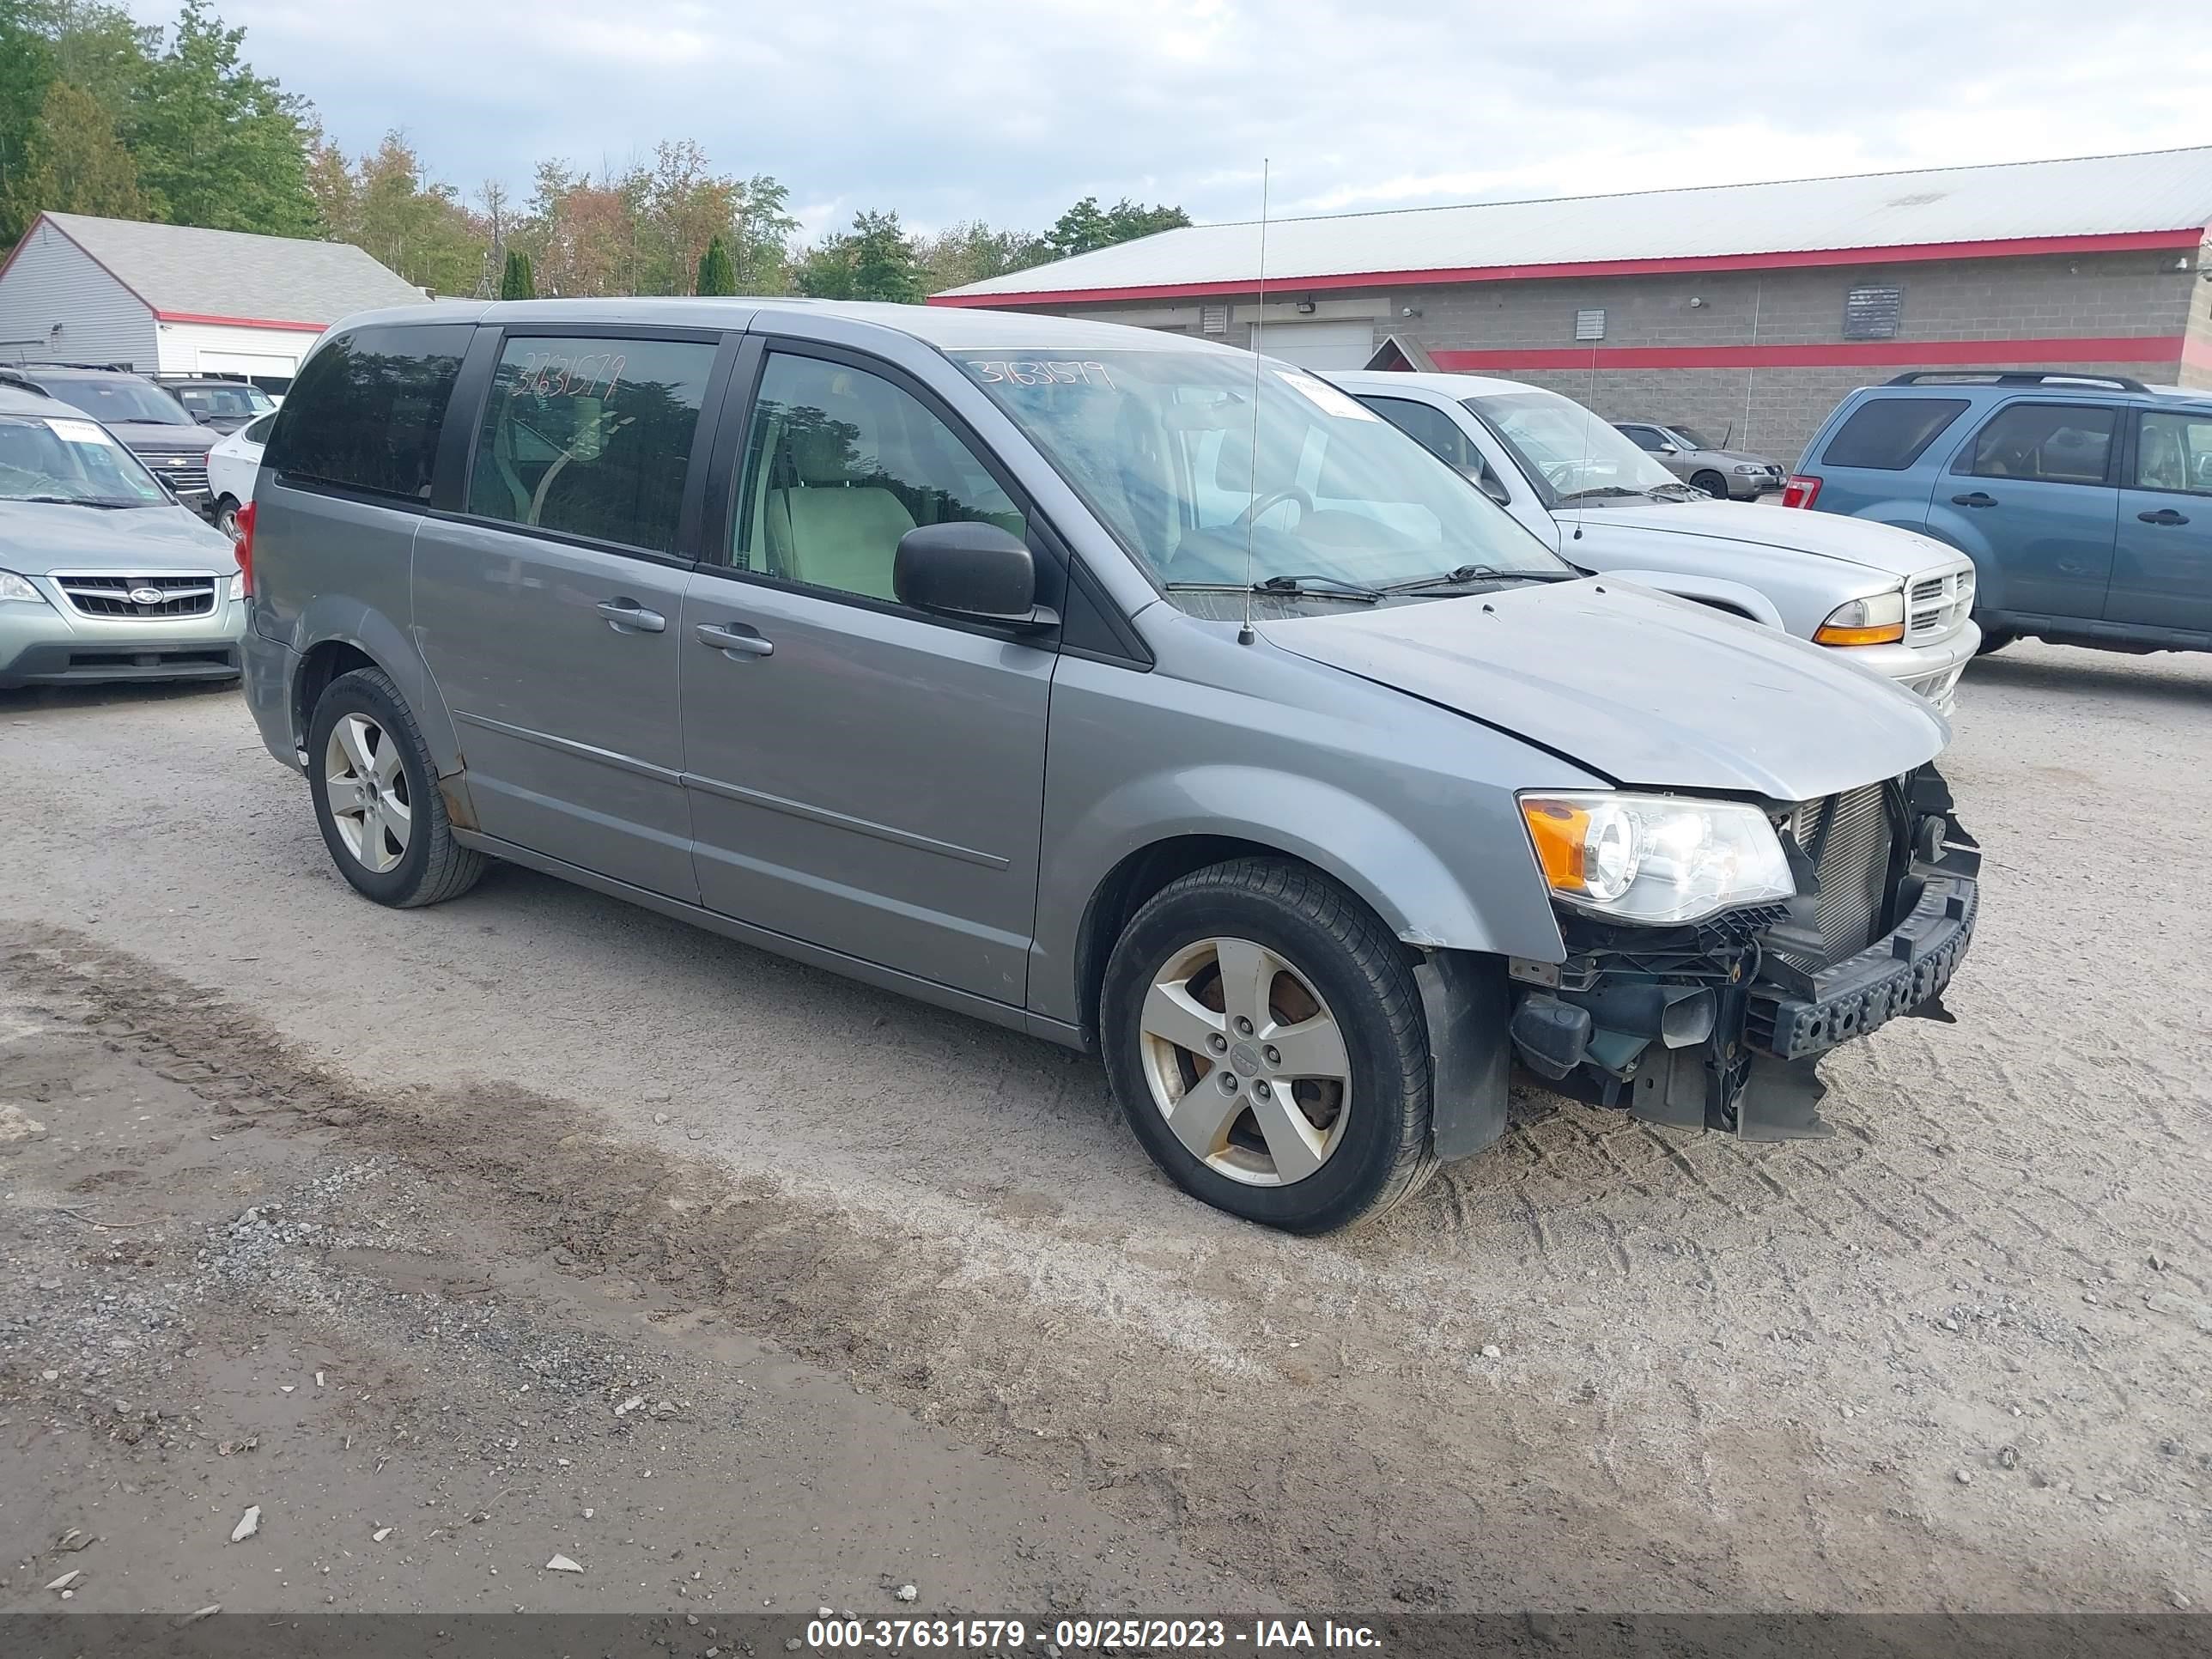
840,464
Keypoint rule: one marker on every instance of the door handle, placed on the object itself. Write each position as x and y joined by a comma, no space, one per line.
1976,498
628,617
735,640
2164,515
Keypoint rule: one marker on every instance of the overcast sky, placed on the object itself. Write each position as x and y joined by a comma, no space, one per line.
1007,110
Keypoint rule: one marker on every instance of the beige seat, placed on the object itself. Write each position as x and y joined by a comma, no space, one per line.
827,526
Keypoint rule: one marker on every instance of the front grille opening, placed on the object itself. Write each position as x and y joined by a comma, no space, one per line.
1853,834
110,596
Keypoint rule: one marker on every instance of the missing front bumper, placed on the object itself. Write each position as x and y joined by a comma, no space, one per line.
1716,1027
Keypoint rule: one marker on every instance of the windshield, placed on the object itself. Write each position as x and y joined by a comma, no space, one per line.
1161,446
1576,455
221,400
1690,438
46,458
122,399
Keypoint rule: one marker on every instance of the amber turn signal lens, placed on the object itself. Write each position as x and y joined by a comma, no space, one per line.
1886,634
1560,833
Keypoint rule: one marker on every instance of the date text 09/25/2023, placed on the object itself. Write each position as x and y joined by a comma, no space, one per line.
1088,1634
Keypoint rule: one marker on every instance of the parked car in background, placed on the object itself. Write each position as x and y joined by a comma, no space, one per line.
224,404
1133,692
154,427
1730,474
103,575
1894,604
2085,502
232,466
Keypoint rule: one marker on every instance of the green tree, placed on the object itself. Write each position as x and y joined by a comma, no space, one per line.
26,71
874,260
971,251
1086,226
716,274
216,144
77,164
761,249
517,281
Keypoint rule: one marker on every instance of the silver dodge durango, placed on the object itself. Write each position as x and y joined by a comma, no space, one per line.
1137,692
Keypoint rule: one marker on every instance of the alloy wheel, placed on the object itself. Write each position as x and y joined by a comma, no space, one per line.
367,788
1245,1062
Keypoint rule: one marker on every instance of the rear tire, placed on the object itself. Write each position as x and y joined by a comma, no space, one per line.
1993,642
1712,483
1323,1127
225,516
377,800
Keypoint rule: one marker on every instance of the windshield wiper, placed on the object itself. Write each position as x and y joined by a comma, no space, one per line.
1293,587
1676,492
70,501
1598,490
1481,573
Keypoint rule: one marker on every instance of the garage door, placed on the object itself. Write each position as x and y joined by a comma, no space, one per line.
1319,345
268,370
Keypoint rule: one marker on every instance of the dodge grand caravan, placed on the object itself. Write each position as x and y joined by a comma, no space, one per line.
1130,690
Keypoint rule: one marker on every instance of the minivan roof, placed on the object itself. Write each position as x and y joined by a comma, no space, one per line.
947,327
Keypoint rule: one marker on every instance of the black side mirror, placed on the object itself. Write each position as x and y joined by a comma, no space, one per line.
169,484
969,570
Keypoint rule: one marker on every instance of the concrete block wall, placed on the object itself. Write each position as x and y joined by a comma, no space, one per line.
1775,409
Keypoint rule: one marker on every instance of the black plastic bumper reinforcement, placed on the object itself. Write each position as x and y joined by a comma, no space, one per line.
1718,1025
1890,978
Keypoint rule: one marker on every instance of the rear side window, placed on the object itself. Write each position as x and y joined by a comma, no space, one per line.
2054,443
364,413
1891,434
591,437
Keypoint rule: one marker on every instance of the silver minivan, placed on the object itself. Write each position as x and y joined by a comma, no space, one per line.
1136,692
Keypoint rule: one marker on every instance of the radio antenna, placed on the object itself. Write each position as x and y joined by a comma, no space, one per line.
1244,635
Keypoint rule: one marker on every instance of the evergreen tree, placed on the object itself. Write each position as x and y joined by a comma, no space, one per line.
77,164
516,282
716,274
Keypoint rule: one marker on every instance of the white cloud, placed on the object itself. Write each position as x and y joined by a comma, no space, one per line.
1007,110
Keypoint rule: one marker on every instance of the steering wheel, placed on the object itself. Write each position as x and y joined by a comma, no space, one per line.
1268,503
1556,473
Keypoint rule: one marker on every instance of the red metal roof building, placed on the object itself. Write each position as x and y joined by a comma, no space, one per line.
1752,307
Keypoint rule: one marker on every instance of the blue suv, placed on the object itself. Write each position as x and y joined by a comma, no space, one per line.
2085,502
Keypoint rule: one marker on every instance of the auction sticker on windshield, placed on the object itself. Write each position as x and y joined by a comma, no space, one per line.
1326,398
82,432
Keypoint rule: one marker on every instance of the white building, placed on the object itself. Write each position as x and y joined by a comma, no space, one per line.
179,299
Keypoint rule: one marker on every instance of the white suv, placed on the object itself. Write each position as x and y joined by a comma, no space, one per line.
1890,600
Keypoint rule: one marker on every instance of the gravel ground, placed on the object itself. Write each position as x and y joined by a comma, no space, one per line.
1953,1359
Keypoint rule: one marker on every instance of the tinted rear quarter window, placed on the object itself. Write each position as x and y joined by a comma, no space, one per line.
365,412
1890,434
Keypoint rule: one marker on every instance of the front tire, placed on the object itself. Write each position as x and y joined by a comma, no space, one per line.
1712,483
1264,1036
377,800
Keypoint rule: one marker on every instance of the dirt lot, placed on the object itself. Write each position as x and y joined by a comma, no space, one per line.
375,1219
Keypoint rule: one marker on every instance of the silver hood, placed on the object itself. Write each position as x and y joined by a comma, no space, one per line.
37,537
1879,547
1646,690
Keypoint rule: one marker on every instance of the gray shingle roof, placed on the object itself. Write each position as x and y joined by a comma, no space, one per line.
183,271
2021,202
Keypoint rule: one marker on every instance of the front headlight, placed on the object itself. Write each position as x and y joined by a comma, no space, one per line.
13,586
1656,858
235,586
1749,467
1876,620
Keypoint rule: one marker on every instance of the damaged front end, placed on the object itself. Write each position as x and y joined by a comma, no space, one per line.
1720,1025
